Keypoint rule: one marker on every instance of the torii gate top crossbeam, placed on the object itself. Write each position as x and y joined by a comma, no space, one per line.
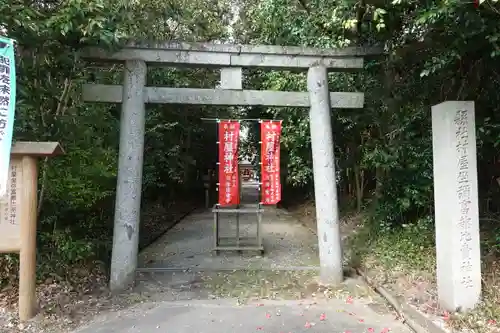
231,55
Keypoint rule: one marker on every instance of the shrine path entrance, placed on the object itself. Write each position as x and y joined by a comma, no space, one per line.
243,293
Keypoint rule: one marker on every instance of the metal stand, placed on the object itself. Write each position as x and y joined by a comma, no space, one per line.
239,243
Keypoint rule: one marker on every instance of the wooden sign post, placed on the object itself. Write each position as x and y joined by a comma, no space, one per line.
18,216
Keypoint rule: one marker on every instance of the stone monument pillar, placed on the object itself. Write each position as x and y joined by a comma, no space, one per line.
456,205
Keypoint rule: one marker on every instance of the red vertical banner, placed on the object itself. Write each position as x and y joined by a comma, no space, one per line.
229,134
270,133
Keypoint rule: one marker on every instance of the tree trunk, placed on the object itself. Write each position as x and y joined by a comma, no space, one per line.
359,182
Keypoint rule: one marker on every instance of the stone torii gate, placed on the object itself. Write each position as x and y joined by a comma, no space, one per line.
134,94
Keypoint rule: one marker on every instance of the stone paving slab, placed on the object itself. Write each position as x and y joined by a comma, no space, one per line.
223,316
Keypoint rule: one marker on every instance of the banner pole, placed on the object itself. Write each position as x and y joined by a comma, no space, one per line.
217,160
217,184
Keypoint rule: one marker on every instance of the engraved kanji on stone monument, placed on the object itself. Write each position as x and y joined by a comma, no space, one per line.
456,205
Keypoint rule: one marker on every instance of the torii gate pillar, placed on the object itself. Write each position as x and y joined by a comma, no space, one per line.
325,186
129,183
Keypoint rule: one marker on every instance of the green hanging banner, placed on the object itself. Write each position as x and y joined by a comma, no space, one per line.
7,107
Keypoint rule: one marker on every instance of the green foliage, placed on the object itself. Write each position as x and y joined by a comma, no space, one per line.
434,52
409,248
77,190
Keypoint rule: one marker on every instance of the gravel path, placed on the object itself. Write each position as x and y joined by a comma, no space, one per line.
189,244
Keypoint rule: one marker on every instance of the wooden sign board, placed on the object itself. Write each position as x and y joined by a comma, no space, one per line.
10,207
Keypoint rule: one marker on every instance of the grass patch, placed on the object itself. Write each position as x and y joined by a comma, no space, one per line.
409,248
249,284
